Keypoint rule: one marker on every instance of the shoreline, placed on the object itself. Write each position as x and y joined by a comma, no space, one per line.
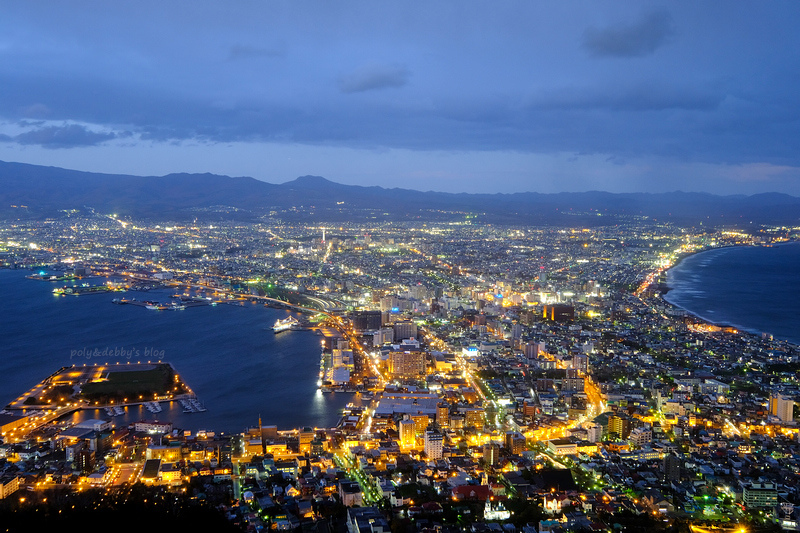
721,324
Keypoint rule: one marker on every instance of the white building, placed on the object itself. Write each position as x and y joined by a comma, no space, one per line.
433,444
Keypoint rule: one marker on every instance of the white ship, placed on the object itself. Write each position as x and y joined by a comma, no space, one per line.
286,323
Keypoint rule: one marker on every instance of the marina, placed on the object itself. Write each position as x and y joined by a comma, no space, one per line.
220,350
192,405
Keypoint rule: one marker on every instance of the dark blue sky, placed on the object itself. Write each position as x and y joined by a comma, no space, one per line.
450,96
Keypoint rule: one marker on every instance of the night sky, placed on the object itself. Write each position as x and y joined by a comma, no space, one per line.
456,96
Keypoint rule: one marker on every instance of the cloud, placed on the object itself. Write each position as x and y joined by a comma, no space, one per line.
36,111
374,77
630,40
647,95
243,51
67,136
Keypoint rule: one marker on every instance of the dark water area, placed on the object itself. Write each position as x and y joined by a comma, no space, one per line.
753,288
228,354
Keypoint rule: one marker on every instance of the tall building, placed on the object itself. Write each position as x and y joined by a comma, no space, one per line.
532,349
421,423
641,435
621,425
474,417
515,442
559,313
760,495
580,362
433,444
390,303
672,465
409,364
366,320
407,433
405,329
594,433
85,460
443,415
491,453
782,407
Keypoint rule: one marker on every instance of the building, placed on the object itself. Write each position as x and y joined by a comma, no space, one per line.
559,313
366,520
594,433
641,436
562,447
405,329
407,431
443,415
84,460
781,407
366,321
621,425
580,362
350,493
407,364
152,426
474,417
759,495
9,485
491,453
433,444
671,466
515,442
151,470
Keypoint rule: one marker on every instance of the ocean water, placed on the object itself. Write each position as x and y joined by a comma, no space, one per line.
227,354
753,288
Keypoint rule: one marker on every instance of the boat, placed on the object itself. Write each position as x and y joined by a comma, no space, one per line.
284,324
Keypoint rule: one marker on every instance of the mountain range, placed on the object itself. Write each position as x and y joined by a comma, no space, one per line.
32,191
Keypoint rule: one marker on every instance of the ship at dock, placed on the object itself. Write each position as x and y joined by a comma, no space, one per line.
284,324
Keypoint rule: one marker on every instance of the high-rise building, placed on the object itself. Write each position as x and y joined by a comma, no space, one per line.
366,320
559,313
782,407
672,467
443,415
491,453
621,425
410,364
85,460
421,423
641,435
532,349
389,303
405,329
515,442
580,362
594,433
433,444
407,433
760,495
474,417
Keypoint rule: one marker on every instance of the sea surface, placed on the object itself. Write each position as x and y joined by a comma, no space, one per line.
753,288
227,354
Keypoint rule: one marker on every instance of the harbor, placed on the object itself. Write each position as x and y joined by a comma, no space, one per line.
218,349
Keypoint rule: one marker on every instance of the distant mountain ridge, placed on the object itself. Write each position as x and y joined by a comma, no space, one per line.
45,191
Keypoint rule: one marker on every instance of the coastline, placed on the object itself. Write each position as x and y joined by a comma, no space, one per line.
219,351
714,322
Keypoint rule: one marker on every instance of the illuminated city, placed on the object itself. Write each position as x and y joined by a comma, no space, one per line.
497,374
400,267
